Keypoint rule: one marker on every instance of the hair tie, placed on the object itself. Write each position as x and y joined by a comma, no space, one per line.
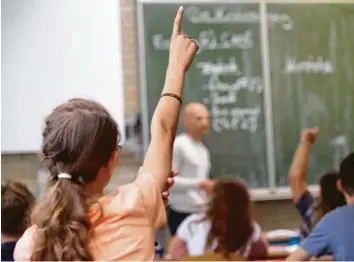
65,176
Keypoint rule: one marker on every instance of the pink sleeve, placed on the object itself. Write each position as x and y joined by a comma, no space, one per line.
24,245
152,197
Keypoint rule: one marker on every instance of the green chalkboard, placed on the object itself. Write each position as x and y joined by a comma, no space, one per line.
312,78
306,52
226,76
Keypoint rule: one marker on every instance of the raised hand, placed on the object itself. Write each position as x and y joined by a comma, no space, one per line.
182,47
309,135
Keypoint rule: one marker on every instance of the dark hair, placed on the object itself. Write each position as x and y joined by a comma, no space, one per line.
346,174
16,202
79,138
331,198
230,215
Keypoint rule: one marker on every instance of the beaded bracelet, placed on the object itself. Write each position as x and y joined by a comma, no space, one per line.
172,95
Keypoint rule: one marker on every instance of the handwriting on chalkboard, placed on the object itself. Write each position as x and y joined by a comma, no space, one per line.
220,67
225,113
235,119
210,40
228,111
317,65
227,116
238,15
249,83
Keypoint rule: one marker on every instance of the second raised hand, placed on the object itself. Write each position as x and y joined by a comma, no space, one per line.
309,135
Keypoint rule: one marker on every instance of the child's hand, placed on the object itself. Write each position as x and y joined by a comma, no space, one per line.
169,184
182,47
309,135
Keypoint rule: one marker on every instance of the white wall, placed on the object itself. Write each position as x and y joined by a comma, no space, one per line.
53,50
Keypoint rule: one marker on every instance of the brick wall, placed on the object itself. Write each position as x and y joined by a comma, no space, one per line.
271,214
130,55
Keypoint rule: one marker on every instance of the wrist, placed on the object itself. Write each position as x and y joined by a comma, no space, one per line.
174,81
175,70
306,143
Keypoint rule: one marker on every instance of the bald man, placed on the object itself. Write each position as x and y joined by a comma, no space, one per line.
191,158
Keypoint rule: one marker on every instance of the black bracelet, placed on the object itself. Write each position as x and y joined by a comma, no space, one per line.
172,95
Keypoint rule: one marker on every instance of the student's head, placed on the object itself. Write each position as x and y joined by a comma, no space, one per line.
330,196
196,119
230,215
346,178
16,202
80,139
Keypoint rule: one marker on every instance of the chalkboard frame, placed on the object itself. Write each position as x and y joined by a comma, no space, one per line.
272,192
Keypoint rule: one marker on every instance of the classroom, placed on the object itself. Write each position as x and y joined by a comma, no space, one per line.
266,111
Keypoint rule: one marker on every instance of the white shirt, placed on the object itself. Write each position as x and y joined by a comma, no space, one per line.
191,158
194,232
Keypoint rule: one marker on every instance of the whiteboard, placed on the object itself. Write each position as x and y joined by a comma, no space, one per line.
54,50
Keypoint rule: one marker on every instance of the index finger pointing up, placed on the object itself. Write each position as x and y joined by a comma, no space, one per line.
177,26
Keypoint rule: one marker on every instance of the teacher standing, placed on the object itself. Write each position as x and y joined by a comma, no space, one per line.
191,158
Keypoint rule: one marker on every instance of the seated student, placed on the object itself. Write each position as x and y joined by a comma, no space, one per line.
330,198
74,220
226,227
16,201
334,233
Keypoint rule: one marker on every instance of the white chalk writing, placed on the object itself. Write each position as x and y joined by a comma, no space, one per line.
210,40
235,119
220,67
228,98
239,15
252,84
316,65
160,43
226,115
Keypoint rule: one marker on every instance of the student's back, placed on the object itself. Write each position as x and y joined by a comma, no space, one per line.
123,224
226,227
334,235
194,231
